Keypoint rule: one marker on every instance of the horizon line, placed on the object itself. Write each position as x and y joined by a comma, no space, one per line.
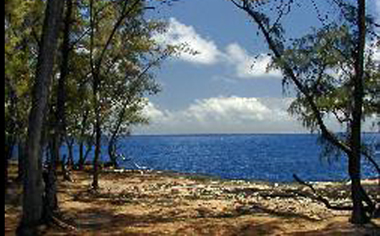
232,133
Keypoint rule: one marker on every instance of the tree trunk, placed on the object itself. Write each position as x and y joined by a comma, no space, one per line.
59,128
82,161
81,155
50,177
95,182
112,152
358,214
95,72
70,158
88,149
353,151
21,160
33,185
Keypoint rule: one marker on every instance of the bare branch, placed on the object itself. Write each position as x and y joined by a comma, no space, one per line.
289,71
318,197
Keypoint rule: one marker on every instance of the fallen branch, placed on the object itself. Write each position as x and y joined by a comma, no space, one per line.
318,197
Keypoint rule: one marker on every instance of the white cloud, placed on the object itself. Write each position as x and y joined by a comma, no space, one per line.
248,66
223,115
180,34
207,53
229,115
230,109
152,112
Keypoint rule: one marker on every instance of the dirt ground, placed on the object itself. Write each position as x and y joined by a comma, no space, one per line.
157,203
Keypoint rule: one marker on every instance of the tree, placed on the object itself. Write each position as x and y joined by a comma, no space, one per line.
59,124
308,67
33,188
20,60
96,62
118,54
98,78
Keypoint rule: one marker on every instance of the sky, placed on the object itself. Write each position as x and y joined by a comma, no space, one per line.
225,87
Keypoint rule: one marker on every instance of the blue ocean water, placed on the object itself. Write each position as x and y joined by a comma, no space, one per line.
269,157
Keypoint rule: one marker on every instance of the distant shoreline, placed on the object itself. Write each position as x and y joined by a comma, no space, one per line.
174,173
218,178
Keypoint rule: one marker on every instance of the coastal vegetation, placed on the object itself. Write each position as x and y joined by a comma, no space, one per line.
83,74
332,75
77,72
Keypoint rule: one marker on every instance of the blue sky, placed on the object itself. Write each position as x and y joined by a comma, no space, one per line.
225,87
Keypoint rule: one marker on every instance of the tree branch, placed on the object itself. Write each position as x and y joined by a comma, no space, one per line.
374,163
289,71
318,197
125,13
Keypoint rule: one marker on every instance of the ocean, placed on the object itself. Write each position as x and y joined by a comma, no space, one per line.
267,157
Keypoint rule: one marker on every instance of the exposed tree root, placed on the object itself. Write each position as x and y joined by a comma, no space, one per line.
55,220
370,208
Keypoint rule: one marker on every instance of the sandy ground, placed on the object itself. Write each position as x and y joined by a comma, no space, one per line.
156,203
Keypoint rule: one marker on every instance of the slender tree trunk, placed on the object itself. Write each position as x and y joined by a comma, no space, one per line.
51,203
95,181
81,155
88,149
70,147
81,159
358,214
112,152
33,186
59,129
95,72
95,92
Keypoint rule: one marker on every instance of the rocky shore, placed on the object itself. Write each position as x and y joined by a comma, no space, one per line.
166,203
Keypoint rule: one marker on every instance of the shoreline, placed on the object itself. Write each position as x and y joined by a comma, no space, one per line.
215,177
171,203
87,167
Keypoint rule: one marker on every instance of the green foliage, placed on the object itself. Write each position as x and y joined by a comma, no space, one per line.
20,58
323,61
123,55
120,53
324,67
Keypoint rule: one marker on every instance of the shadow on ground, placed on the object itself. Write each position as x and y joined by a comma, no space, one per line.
98,214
